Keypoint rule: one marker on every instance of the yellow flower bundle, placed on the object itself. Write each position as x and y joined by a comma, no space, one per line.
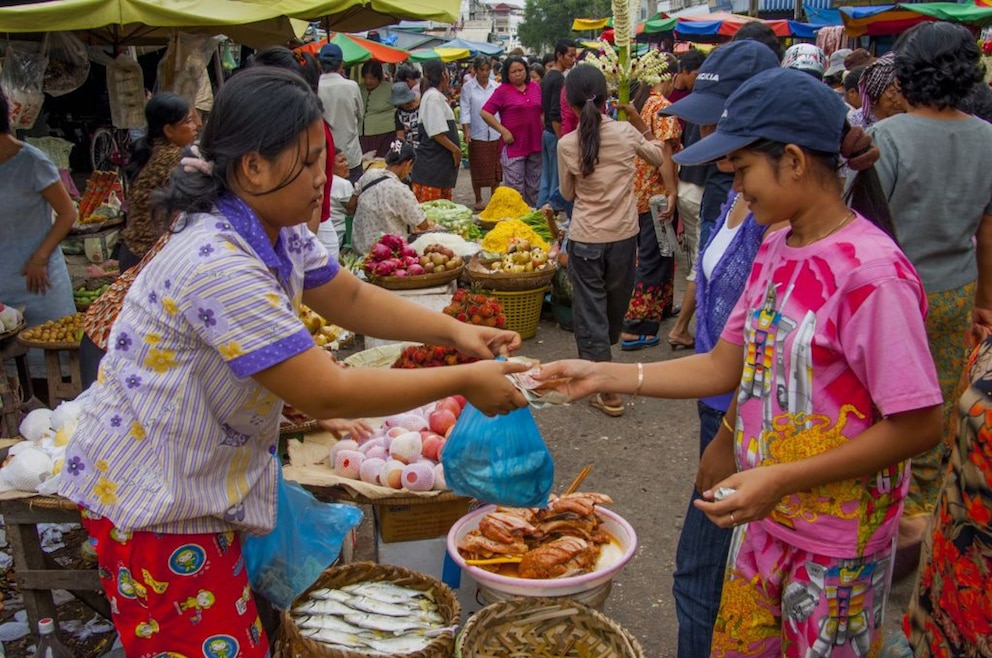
498,239
505,203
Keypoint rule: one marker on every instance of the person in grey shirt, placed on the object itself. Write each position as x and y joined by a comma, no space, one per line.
343,107
934,170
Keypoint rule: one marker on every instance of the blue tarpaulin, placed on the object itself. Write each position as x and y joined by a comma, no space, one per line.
822,17
476,47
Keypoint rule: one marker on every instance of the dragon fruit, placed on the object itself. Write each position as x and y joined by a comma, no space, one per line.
393,241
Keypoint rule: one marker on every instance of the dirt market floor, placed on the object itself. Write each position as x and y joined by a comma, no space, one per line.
646,460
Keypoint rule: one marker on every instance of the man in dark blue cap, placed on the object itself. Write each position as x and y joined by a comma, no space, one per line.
343,107
703,547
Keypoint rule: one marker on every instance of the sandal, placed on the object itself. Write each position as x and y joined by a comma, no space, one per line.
679,345
479,207
639,343
610,410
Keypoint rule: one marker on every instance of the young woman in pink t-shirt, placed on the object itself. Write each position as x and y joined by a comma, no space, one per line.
811,466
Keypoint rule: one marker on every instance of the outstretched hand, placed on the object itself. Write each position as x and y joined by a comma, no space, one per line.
573,377
486,342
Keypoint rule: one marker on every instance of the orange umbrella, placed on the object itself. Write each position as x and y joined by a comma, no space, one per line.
357,50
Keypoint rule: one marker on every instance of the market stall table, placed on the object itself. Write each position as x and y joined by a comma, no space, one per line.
37,574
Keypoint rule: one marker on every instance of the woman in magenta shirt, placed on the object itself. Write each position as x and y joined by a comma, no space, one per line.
518,102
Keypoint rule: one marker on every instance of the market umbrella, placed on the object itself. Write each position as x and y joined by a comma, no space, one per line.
725,24
880,20
361,15
357,50
951,11
476,47
150,22
441,53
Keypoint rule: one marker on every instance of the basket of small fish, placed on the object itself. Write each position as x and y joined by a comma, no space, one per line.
367,609
544,627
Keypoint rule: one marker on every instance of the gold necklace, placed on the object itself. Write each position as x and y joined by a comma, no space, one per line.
847,217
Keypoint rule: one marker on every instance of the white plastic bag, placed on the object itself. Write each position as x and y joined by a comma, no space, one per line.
21,81
68,64
126,92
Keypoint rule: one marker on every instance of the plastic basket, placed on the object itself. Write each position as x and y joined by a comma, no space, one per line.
522,309
544,627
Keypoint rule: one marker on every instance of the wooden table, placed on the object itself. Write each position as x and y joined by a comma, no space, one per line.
37,572
59,387
11,348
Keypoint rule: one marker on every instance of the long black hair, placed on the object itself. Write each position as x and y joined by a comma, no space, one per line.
585,88
294,60
242,123
163,109
865,194
937,64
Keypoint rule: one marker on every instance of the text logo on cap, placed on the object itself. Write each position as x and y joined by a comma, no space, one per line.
712,77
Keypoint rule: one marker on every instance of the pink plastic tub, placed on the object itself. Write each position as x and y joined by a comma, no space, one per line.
611,560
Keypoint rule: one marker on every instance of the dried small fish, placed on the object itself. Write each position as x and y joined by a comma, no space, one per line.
333,637
328,622
323,607
330,595
386,624
387,592
398,645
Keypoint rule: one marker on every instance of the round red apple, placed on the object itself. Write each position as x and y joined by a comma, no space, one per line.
441,421
432,446
460,399
451,405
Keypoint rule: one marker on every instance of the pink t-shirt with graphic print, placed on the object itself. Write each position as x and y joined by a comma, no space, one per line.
834,339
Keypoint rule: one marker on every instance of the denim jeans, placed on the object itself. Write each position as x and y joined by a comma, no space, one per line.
700,562
549,167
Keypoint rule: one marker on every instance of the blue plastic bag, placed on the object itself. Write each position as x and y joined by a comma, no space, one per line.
306,539
501,460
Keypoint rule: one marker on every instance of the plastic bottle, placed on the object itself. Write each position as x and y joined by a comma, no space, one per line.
49,645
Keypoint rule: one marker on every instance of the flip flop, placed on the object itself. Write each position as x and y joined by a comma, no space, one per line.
597,402
640,343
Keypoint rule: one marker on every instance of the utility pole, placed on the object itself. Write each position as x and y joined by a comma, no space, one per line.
798,14
752,8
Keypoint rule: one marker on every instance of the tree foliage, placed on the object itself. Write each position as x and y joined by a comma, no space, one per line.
546,21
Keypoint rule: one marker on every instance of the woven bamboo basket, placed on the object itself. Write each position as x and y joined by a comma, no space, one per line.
480,276
544,627
417,281
294,645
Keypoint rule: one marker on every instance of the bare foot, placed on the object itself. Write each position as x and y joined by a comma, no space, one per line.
683,339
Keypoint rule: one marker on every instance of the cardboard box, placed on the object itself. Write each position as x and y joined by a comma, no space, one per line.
416,518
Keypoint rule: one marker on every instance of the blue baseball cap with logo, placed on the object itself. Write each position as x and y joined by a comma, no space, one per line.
781,105
726,69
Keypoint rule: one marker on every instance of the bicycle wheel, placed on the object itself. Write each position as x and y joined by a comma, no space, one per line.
102,150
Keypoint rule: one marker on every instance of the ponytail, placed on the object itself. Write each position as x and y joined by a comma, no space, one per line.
590,118
585,88
865,194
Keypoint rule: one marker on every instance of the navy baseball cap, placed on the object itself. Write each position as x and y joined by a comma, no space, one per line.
781,105
331,54
721,74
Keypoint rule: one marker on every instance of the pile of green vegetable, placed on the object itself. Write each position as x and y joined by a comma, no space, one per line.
452,217
536,221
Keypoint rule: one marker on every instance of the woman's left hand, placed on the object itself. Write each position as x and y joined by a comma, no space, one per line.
757,492
37,277
486,342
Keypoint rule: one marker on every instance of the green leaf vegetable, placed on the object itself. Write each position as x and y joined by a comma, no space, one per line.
452,217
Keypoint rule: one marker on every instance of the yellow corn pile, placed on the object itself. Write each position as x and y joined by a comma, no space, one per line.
498,239
506,203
